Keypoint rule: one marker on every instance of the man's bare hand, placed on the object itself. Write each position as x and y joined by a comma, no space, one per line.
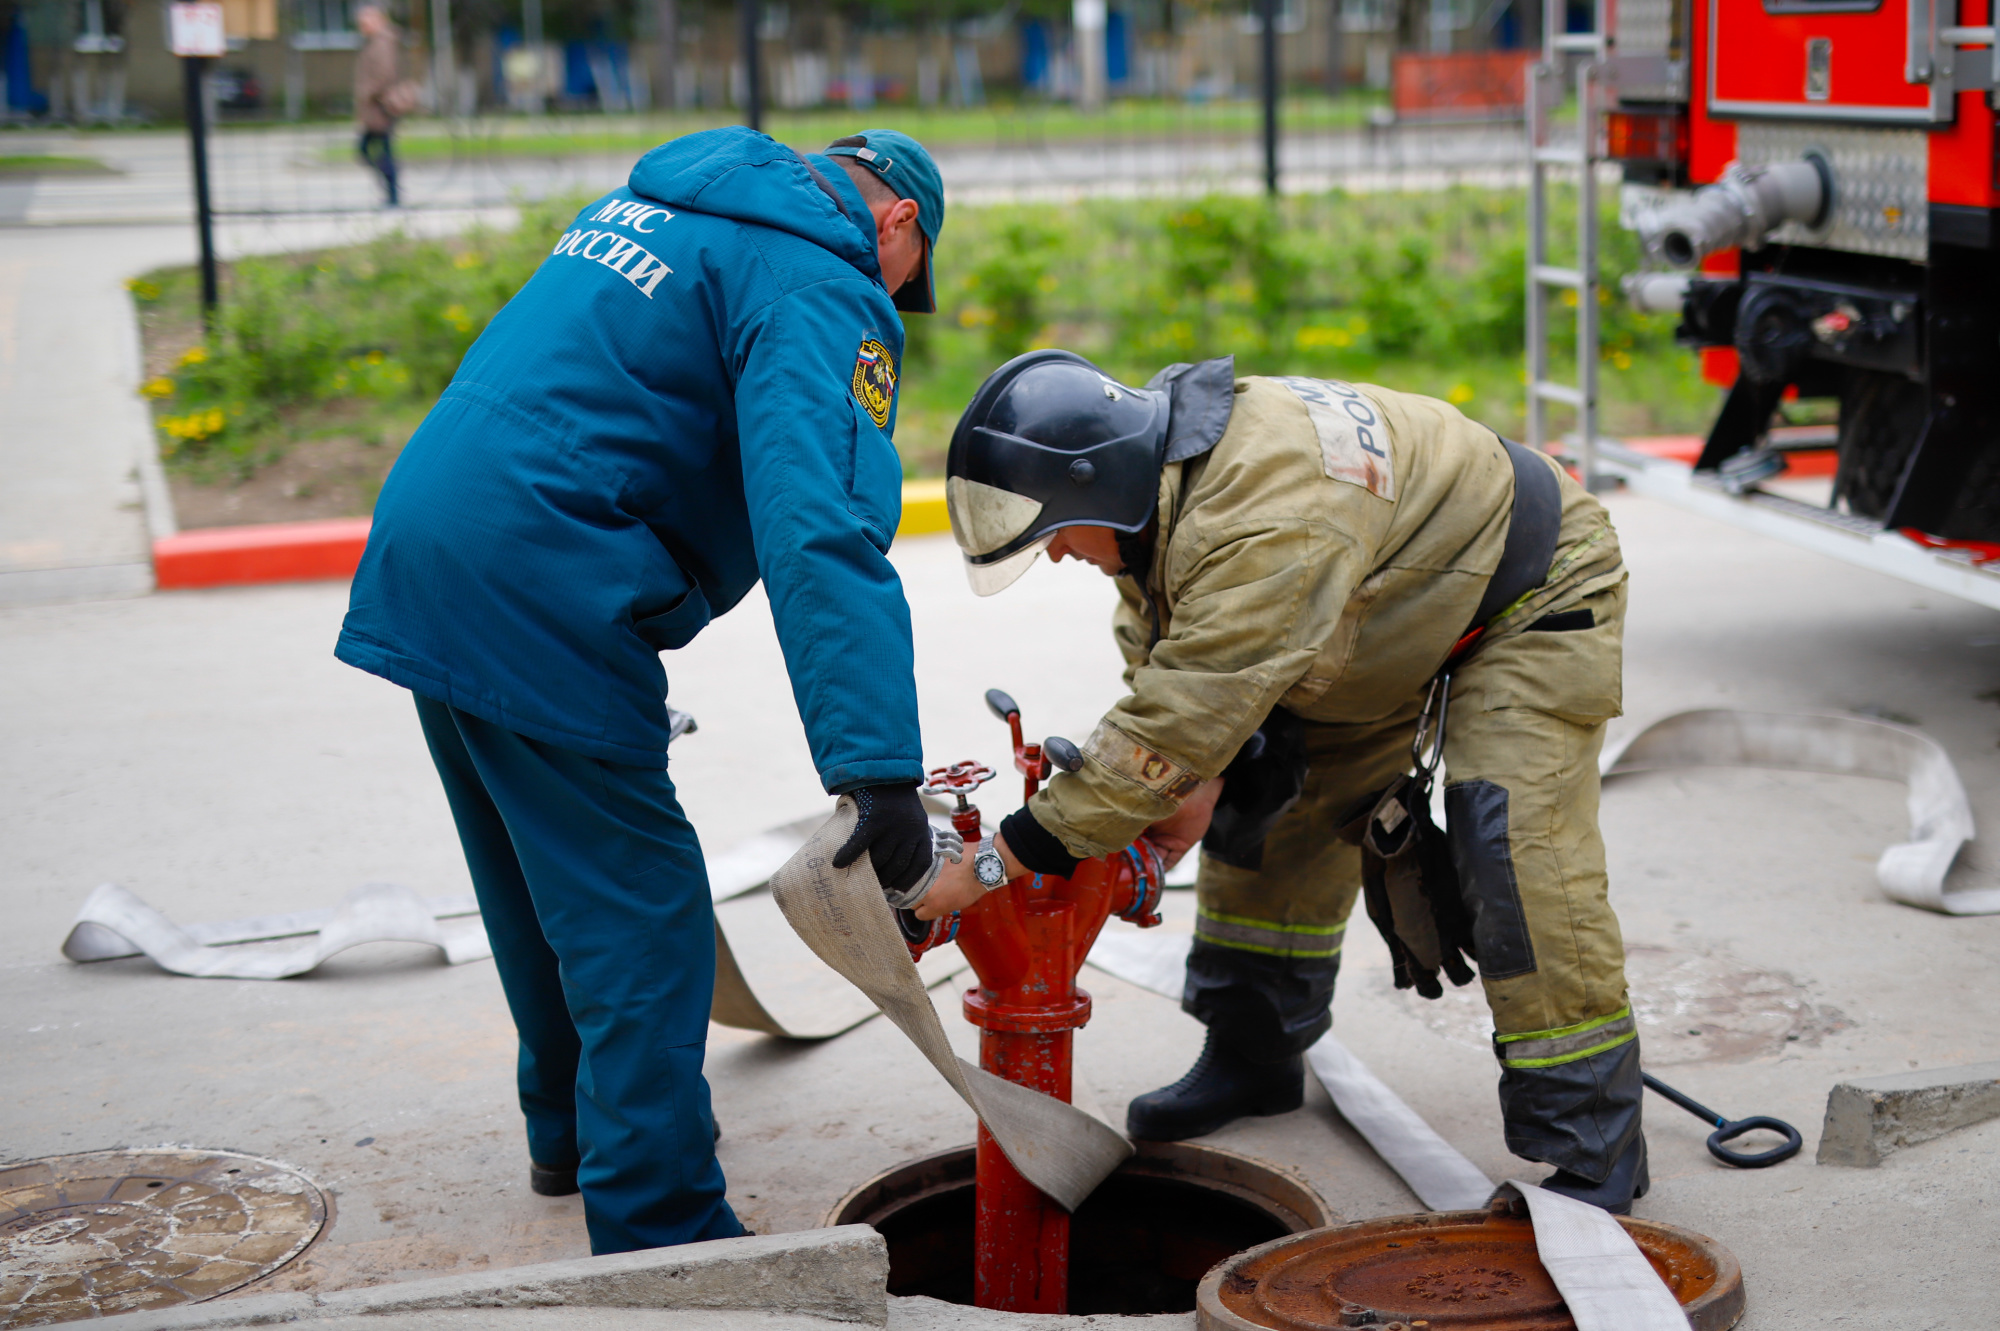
958,887
1183,831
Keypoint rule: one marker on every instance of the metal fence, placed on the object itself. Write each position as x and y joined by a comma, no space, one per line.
1009,116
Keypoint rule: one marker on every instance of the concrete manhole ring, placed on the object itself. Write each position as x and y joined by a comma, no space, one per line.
108,1232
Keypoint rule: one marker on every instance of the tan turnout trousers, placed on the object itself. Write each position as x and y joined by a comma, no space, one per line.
1551,957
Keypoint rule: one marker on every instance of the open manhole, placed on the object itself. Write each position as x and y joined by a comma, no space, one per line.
1445,1271
1140,1244
118,1231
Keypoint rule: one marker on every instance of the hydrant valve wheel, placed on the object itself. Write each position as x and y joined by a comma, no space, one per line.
959,779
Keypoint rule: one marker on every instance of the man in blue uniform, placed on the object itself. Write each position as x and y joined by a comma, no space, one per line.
695,391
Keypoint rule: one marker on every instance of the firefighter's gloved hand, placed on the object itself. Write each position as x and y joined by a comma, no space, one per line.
895,831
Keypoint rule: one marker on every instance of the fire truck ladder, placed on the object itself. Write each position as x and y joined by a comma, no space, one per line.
1545,93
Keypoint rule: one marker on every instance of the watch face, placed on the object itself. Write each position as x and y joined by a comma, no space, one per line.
989,869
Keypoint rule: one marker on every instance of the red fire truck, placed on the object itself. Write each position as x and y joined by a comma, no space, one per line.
1816,185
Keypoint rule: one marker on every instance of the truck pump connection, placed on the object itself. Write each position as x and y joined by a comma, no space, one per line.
1741,209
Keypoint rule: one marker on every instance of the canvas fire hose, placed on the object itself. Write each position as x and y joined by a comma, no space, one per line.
1038,1156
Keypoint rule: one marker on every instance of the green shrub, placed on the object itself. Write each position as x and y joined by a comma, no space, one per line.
385,322
1424,292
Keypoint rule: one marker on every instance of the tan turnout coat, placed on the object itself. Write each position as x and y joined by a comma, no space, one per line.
1326,555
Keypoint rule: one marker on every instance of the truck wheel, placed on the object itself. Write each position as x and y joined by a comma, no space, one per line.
1881,418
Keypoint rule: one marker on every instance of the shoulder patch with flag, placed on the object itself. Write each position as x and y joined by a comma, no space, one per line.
875,381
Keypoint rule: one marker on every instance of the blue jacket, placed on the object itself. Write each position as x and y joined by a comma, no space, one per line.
695,390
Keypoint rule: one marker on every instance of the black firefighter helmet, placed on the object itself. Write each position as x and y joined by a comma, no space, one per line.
1049,441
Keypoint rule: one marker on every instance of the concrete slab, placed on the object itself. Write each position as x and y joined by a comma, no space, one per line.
832,1276
922,1314
1870,1118
561,1319
204,749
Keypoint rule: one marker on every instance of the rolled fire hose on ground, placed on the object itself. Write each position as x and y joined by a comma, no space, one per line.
843,917
1434,1170
113,922
1912,872
785,992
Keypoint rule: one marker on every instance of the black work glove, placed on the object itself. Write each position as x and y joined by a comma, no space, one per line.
1411,888
895,831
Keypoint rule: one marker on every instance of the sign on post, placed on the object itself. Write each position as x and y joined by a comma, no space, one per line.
196,33
194,28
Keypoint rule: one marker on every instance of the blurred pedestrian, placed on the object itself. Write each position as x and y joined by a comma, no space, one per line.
378,102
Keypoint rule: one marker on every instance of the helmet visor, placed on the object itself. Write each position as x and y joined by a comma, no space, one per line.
986,579
986,519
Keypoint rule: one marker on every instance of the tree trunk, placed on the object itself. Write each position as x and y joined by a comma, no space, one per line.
1336,53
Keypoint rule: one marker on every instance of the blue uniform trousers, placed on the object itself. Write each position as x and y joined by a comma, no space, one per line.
593,891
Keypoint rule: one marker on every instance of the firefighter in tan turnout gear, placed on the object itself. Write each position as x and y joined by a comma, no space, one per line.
1312,573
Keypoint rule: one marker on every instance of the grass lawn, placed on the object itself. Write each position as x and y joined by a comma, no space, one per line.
322,364
49,164
1000,124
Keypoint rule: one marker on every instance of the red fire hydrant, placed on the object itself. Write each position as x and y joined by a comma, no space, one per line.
1026,941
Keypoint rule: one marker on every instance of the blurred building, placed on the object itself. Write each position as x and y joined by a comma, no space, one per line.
86,61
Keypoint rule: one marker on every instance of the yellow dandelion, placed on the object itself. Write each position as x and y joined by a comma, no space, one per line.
194,355
374,358
469,259
1569,297
157,387
1459,394
143,289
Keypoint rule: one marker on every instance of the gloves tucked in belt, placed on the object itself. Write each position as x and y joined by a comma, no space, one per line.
895,831
1411,887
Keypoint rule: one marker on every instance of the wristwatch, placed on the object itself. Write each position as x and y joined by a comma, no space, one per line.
988,867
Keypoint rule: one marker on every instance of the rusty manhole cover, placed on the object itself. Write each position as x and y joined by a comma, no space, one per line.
117,1231
1449,1271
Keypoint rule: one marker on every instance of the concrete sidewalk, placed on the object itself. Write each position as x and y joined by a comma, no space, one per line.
205,750
84,498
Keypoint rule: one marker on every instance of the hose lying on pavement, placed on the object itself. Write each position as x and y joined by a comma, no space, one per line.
1912,872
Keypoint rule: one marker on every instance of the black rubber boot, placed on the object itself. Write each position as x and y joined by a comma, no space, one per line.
1583,1117
1220,1088
549,1181
1628,1179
